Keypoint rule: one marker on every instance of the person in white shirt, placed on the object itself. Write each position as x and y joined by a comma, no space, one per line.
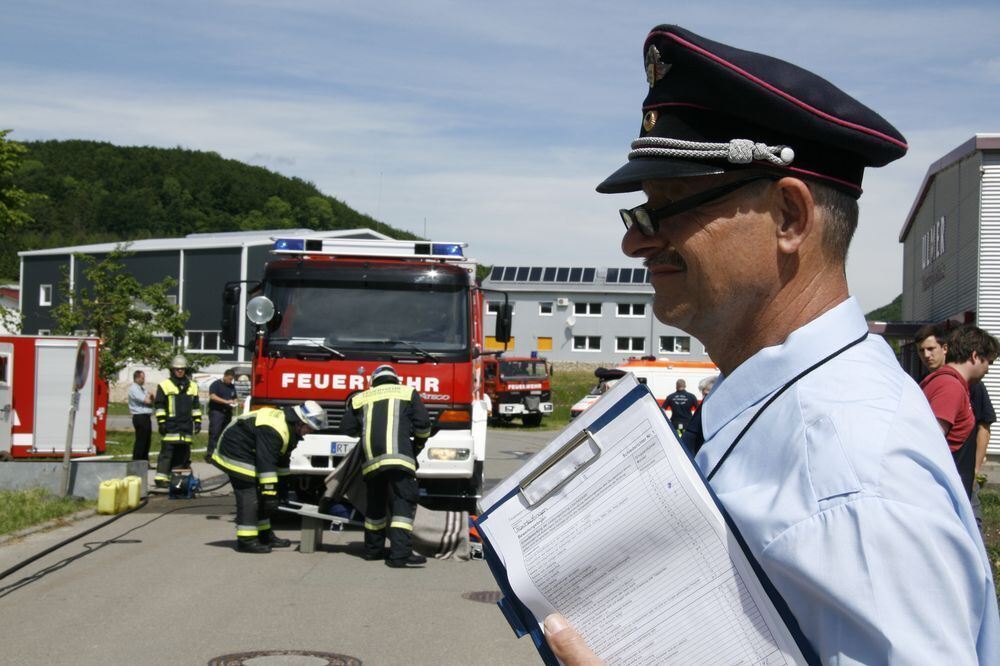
140,406
820,448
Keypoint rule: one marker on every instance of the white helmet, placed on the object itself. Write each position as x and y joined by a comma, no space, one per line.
310,413
383,371
179,361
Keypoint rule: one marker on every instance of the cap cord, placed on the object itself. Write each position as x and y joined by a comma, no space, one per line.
736,151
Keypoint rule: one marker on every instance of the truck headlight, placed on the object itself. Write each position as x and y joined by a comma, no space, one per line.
440,453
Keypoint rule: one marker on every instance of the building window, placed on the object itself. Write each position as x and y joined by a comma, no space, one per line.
4,369
630,344
205,341
545,308
544,344
45,294
492,344
631,310
587,309
675,344
493,307
586,343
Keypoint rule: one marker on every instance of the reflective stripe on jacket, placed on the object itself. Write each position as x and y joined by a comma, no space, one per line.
386,417
177,408
253,445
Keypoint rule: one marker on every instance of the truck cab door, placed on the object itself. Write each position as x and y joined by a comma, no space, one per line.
6,395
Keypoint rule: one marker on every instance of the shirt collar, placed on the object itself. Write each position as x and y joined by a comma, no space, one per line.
772,367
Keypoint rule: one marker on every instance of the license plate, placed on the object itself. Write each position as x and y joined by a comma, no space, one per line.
341,448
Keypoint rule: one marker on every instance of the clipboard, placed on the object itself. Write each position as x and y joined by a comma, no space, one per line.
551,474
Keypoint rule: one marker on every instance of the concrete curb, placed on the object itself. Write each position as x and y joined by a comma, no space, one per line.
46,526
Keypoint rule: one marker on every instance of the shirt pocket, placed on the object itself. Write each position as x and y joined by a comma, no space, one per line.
830,470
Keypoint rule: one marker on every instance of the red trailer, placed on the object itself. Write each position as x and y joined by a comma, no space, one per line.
36,392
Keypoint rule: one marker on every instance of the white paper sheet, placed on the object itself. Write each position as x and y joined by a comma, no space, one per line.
634,552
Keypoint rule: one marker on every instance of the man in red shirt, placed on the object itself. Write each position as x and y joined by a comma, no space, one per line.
970,351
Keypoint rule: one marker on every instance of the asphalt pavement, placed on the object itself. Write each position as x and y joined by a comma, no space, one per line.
163,585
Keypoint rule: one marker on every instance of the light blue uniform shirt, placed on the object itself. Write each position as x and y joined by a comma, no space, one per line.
136,400
846,493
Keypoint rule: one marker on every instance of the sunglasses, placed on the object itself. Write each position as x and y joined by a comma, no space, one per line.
648,220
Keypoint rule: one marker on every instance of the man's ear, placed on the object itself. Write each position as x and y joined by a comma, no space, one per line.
795,214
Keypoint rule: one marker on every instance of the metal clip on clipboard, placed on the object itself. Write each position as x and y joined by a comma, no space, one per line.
572,458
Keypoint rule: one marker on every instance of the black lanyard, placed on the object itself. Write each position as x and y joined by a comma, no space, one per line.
775,397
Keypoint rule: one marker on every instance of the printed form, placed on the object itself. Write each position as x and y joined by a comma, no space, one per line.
633,551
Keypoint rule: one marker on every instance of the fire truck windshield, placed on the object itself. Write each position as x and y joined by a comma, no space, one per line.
523,369
392,318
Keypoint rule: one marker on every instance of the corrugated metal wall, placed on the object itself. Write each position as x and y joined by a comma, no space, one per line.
988,306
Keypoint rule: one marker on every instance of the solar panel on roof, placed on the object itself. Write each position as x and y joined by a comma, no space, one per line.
509,272
612,275
588,274
550,274
536,274
496,273
562,274
625,275
574,274
522,273
639,275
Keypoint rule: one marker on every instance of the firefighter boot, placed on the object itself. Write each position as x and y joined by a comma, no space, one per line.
413,560
251,545
269,538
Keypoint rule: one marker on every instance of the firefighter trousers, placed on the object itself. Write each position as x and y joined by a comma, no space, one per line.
392,504
172,455
253,521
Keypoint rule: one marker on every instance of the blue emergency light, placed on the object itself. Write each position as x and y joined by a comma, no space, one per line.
296,244
447,249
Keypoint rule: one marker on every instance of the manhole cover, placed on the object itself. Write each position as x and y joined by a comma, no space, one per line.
284,658
486,597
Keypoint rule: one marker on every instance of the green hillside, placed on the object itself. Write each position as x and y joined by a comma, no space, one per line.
890,312
97,192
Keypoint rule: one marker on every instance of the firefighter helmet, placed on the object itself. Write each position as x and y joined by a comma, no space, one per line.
310,413
179,361
385,371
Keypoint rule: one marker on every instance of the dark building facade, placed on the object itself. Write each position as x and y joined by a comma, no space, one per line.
200,264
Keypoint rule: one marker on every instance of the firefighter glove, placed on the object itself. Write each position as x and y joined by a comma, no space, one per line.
163,429
197,427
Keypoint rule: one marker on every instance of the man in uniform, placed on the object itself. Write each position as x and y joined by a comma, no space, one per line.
178,414
822,451
393,425
681,404
221,400
251,451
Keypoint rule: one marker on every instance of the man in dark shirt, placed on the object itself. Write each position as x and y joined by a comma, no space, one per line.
221,400
681,404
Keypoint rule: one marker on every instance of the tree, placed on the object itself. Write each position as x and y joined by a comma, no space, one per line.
12,199
136,323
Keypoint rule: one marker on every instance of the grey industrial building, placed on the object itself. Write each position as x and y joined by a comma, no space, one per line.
951,245
201,264
585,314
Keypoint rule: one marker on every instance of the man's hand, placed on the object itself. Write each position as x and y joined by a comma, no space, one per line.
568,645
269,497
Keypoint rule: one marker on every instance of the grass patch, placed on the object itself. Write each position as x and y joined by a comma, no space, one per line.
23,508
121,442
990,501
118,409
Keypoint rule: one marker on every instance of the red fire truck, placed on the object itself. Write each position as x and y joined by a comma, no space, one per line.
518,386
329,311
36,391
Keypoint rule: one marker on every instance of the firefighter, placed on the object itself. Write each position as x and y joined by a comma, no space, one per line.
178,414
254,450
386,417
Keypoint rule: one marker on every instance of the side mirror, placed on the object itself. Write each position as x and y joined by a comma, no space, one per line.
505,316
230,313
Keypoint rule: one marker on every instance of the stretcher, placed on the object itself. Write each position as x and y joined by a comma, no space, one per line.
313,524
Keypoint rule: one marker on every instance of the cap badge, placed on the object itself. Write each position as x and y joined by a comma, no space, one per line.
648,121
656,69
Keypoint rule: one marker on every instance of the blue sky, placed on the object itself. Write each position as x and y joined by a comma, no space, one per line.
488,122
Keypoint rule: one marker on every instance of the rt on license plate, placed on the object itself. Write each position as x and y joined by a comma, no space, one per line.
341,448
